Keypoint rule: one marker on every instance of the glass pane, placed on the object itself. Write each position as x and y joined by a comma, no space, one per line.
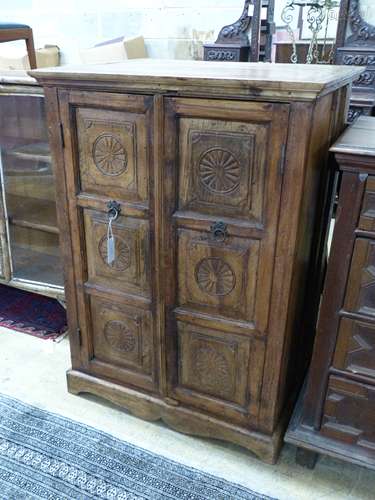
35,255
29,190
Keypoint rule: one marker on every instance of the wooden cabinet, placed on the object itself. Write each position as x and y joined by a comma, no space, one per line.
336,412
355,47
216,170
29,236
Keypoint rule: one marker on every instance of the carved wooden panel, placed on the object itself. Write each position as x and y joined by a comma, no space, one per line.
131,267
360,295
220,370
349,413
367,219
214,52
355,348
218,278
358,56
122,338
355,42
223,167
113,153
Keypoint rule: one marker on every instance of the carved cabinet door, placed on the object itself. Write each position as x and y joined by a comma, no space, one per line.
223,176
108,157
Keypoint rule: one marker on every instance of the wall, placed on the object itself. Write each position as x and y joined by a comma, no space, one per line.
172,28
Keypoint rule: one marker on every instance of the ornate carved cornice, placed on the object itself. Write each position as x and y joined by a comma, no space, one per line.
359,59
363,32
237,32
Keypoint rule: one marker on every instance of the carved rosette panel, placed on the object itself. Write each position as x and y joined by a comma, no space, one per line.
122,254
212,371
219,170
109,155
222,168
215,276
119,336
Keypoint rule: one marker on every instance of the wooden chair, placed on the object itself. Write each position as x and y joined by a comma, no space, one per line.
10,32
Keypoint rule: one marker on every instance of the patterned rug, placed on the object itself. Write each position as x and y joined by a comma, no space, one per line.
31,313
43,455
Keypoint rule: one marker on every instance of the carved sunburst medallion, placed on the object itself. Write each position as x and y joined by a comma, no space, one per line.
215,276
219,171
109,155
122,254
119,337
212,370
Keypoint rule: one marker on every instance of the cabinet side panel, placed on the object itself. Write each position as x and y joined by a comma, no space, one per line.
307,165
328,122
306,286
296,157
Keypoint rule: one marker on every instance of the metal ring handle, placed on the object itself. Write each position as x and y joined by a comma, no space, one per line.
114,209
219,231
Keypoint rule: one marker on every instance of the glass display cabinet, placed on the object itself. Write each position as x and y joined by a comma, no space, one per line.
29,249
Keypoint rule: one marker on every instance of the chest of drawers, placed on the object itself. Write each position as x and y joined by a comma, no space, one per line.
216,169
336,413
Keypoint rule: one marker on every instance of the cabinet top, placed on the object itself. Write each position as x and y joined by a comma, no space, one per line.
264,80
358,139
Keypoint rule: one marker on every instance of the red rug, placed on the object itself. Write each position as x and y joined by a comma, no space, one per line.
31,313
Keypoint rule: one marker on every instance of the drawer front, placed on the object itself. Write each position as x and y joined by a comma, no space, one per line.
130,271
223,171
349,414
219,372
360,294
108,158
355,348
367,217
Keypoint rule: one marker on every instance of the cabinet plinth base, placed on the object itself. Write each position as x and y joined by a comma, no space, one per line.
148,407
313,443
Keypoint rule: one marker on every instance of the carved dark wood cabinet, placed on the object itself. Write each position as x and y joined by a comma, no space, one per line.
247,39
356,47
336,411
233,42
216,170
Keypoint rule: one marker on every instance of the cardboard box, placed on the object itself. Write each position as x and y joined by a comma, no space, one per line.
17,58
115,51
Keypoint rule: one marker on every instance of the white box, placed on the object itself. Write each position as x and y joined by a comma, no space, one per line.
115,51
17,58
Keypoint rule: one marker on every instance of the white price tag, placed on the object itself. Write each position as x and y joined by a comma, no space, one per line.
111,249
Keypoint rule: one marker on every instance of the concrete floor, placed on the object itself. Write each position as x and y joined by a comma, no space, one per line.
33,371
